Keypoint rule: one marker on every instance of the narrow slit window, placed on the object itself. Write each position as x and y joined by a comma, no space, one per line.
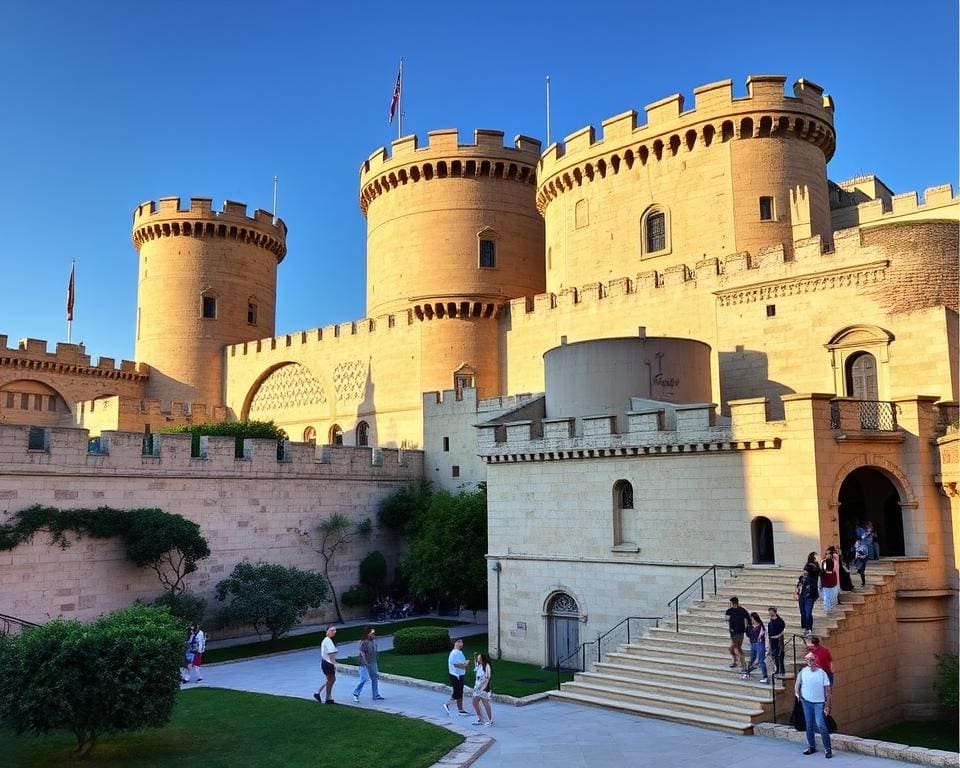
766,209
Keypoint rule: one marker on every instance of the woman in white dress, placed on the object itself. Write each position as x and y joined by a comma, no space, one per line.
481,689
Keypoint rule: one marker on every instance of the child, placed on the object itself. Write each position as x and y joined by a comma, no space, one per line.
860,557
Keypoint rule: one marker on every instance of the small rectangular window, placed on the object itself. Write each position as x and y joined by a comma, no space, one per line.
446,443
766,209
210,307
455,470
38,402
251,314
52,403
488,254
24,402
771,310
10,399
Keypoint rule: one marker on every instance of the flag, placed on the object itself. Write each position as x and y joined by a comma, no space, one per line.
70,290
395,99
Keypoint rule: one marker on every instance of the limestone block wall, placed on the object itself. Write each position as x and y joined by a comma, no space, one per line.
249,510
127,414
938,203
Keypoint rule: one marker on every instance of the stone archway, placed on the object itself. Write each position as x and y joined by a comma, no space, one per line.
761,536
867,493
563,630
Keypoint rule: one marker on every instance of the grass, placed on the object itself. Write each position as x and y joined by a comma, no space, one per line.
313,640
933,734
509,677
224,729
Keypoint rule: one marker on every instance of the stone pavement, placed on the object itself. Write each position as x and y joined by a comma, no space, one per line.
547,733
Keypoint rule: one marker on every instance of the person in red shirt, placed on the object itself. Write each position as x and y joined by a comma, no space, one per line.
824,657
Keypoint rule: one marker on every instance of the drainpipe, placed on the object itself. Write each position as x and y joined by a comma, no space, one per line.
496,569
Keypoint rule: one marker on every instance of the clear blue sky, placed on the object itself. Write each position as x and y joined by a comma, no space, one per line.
108,104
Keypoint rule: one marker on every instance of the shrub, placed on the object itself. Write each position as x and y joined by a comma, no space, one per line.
414,641
118,673
241,430
373,572
359,596
399,511
186,607
948,671
272,597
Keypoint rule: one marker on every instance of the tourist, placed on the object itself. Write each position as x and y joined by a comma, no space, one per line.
776,627
814,692
368,665
846,584
824,657
868,537
737,620
198,644
481,689
758,647
807,592
328,659
456,667
860,556
188,656
829,582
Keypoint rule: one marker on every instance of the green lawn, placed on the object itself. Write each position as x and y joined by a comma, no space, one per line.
313,640
223,729
509,677
933,734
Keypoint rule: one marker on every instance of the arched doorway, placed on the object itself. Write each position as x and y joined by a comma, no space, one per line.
868,494
761,534
563,630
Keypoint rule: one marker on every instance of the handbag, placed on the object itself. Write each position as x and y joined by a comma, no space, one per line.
831,723
798,720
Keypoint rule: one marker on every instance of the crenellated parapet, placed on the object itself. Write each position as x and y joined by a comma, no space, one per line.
444,157
717,118
164,218
32,356
938,202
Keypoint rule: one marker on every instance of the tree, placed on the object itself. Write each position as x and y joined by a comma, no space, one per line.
332,533
169,544
373,572
118,673
268,596
400,511
447,553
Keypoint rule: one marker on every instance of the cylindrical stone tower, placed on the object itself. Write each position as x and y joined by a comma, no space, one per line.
207,279
453,234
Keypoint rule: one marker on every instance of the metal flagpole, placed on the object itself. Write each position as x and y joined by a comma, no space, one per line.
275,183
548,110
71,288
400,104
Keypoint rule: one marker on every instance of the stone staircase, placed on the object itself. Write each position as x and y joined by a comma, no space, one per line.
684,675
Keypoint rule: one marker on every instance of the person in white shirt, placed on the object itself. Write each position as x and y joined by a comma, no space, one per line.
456,667
814,692
481,689
328,658
198,645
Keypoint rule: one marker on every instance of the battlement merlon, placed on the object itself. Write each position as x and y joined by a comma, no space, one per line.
808,113
445,157
165,218
32,353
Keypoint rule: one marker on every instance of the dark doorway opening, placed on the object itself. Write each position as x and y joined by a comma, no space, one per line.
761,534
868,494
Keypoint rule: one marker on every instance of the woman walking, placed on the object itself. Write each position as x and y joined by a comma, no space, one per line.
829,582
481,689
807,592
757,634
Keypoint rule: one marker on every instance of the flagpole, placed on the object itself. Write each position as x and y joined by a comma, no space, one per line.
275,183
548,110
70,293
400,104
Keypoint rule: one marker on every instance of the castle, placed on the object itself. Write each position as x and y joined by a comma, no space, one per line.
681,343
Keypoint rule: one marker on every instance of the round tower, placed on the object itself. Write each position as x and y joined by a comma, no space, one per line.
206,279
453,234
728,175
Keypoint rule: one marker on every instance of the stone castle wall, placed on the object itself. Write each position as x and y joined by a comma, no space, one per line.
248,509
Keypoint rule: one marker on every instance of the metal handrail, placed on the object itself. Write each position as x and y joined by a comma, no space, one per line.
699,580
582,648
7,621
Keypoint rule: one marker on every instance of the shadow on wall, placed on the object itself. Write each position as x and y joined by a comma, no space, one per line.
744,373
365,432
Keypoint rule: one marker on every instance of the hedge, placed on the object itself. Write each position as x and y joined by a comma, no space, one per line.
414,641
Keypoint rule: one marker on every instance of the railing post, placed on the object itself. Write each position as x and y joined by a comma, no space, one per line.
714,569
676,620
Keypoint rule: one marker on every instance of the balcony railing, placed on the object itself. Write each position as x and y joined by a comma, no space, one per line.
864,415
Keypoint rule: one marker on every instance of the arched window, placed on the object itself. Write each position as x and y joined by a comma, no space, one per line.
624,523
309,435
761,536
336,435
656,231
252,310
363,433
487,248
862,376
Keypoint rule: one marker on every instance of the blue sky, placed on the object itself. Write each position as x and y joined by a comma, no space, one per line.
107,104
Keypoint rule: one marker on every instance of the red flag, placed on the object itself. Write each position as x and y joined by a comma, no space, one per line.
395,99
73,268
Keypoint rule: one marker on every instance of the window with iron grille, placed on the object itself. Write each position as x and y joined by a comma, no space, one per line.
656,232
488,254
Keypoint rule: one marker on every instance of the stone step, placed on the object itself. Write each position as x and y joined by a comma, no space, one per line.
676,703
719,690
730,722
715,669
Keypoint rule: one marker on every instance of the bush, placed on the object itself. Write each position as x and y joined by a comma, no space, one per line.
118,673
272,597
359,596
373,572
399,511
241,430
948,671
414,641
185,606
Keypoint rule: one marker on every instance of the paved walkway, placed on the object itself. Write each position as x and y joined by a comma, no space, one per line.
548,733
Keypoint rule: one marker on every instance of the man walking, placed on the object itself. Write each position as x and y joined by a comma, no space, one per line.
775,631
738,619
368,665
328,659
814,691
456,667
